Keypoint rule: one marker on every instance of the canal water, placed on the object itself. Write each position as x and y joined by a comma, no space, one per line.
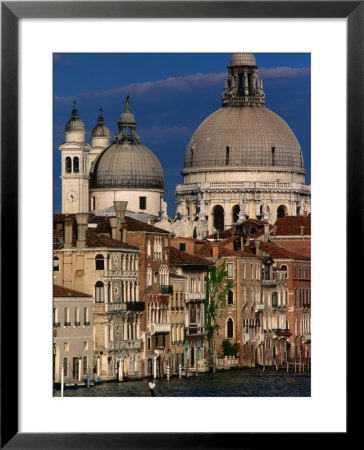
232,383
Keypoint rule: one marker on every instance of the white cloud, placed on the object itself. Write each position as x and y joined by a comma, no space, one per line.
183,83
284,72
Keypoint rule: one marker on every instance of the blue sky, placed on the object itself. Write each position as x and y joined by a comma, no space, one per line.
170,95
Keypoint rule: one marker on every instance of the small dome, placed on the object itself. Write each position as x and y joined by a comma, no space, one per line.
75,124
243,59
127,165
100,130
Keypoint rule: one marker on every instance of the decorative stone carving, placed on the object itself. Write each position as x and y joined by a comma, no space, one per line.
182,228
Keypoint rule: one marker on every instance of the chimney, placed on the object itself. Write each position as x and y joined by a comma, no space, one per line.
302,230
120,208
274,230
257,245
82,220
215,251
266,232
115,229
67,232
242,243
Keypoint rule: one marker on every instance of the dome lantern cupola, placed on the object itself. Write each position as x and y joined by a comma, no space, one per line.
243,87
127,125
75,129
100,137
100,130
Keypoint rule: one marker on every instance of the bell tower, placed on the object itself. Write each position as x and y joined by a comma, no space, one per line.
75,166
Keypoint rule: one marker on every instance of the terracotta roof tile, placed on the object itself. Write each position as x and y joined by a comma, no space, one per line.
291,226
137,225
61,291
178,257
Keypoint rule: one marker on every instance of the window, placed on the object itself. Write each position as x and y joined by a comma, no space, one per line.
142,202
218,215
92,203
67,322
273,155
65,367
148,343
56,264
230,328
230,270
99,260
182,247
230,297
66,346
76,164
68,165
227,156
244,270
86,321
274,300
99,292
77,317
85,345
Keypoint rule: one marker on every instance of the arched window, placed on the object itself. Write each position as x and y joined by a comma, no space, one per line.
284,267
230,328
230,297
56,264
76,164
235,213
68,165
281,211
99,292
99,260
218,214
191,157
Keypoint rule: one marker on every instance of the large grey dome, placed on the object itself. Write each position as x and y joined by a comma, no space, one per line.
127,165
252,136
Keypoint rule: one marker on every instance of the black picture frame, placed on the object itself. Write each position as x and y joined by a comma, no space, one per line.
11,12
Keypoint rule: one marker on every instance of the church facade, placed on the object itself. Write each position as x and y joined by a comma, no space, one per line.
242,162
96,175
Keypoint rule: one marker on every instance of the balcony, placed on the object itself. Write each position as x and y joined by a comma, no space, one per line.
168,289
259,307
194,330
124,307
135,306
160,328
125,345
269,282
195,296
121,273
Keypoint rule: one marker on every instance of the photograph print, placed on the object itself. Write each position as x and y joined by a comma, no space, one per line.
181,225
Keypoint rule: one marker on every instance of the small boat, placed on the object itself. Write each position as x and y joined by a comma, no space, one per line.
94,379
68,384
